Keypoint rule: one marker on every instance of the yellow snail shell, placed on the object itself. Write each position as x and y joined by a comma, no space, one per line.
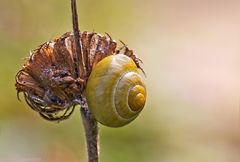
115,91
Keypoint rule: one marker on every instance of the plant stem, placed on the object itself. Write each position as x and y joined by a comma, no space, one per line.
89,122
79,55
91,133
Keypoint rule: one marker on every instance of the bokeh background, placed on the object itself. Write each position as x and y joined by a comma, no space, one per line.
191,54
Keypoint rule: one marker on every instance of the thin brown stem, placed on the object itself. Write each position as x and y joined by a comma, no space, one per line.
79,55
89,122
91,133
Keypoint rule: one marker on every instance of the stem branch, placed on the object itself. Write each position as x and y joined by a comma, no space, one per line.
89,122
91,133
79,55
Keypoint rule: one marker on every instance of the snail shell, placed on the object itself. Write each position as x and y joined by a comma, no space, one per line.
115,91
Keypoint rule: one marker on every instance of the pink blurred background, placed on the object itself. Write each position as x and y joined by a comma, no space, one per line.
191,54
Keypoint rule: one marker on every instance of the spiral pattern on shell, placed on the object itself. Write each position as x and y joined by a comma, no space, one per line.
115,91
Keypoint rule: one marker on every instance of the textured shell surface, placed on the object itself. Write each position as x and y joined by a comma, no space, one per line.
108,91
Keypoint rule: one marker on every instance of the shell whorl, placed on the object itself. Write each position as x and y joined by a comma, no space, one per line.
115,91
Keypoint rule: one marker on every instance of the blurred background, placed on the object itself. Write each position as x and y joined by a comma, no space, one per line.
191,54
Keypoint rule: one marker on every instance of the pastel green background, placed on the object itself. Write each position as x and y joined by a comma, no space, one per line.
190,51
